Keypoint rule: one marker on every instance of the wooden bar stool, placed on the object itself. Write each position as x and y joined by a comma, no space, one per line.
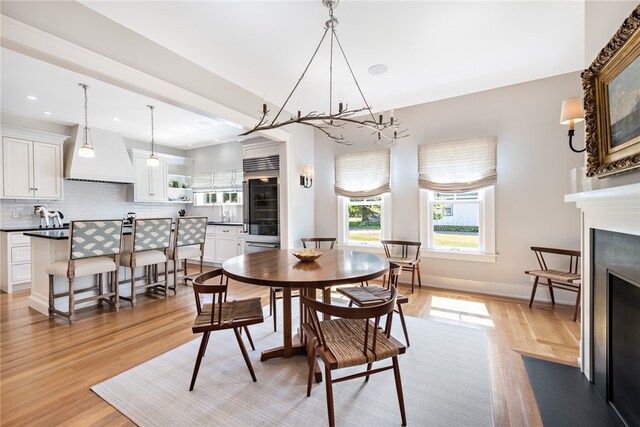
190,234
94,248
150,242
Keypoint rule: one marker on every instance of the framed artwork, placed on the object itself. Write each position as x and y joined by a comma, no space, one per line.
612,103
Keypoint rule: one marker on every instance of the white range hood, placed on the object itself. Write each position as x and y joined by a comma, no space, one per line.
110,164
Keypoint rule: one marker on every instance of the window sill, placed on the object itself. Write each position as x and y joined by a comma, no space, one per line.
373,248
460,256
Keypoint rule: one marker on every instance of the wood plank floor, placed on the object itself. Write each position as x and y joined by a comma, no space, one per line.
47,366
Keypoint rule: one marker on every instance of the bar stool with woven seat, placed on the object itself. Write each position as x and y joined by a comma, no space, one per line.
351,338
220,314
307,242
191,233
367,294
150,242
94,249
406,254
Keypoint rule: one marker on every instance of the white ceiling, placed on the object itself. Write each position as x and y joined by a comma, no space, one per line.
434,49
58,92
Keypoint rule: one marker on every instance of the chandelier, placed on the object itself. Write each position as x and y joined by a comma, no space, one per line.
332,123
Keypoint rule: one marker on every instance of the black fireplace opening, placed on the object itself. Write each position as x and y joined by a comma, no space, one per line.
616,321
624,348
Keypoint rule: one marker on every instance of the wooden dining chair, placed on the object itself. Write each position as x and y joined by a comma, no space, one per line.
352,337
366,294
220,314
189,242
307,242
568,280
150,242
94,249
406,254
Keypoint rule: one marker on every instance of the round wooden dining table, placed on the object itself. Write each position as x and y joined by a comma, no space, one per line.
279,268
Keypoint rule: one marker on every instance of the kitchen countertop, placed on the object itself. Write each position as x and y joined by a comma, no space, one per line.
61,234
235,224
32,228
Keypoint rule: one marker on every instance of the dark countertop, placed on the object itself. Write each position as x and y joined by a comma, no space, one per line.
32,228
61,234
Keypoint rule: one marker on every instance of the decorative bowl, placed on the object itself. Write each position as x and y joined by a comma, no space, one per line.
307,255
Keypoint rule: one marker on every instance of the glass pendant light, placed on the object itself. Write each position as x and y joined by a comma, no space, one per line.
153,157
87,147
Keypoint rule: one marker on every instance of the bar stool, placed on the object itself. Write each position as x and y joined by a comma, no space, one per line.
150,242
94,249
189,243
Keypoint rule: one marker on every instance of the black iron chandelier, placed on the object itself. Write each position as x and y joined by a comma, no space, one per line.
332,123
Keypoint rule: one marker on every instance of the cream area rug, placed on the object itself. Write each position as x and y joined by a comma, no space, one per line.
445,378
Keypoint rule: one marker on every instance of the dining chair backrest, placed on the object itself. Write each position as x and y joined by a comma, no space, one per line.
367,313
394,275
401,249
191,230
218,292
151,233
94,238
318,241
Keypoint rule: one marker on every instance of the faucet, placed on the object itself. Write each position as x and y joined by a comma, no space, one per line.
214,207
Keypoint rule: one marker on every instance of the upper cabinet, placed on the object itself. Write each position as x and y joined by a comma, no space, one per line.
151,182
31,169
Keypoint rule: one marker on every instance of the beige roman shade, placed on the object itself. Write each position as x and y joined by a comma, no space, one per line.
457,166
363,174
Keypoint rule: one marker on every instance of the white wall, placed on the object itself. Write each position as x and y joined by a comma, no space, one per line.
603,18
302,213
534,163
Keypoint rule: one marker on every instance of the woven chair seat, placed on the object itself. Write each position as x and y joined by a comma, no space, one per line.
345,340
556,276
232,311
404,261
371,294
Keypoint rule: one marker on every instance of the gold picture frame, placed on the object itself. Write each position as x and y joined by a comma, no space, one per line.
612,103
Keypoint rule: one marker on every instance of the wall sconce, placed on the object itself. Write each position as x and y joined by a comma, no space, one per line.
571,114
306,179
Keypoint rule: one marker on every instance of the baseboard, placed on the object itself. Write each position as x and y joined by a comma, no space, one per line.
39,303
510,290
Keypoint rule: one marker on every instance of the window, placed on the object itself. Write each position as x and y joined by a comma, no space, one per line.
362,184
457,208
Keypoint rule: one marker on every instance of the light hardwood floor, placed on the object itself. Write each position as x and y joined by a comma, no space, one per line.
47,366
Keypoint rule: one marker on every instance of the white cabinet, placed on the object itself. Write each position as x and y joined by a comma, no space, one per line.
31,169
240,246
15,263
226,242
210,245
151,182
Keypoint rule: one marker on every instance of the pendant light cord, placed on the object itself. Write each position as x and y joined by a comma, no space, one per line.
153,144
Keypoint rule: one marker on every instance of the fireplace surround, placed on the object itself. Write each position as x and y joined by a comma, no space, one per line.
610,244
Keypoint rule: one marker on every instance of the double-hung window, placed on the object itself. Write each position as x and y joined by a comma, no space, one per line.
364,197
457,198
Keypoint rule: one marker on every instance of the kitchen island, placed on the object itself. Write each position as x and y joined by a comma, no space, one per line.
48,247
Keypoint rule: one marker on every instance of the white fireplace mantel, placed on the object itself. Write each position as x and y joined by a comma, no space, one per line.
613,209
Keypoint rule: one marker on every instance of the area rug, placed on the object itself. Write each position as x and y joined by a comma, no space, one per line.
445,377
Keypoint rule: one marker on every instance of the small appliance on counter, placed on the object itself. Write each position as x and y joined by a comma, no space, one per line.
129,218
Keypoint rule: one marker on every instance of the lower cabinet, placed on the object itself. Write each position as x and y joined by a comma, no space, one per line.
223,242
15,263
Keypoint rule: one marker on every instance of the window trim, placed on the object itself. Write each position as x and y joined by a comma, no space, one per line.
487,225
343,220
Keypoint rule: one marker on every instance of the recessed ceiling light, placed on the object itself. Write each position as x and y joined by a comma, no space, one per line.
378,69
32,97
116,119
205,124
189,145
47,113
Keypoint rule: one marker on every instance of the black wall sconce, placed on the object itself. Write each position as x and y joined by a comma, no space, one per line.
572,113
306,178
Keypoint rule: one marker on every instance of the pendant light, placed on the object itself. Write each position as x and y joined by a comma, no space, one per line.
153,157
87,144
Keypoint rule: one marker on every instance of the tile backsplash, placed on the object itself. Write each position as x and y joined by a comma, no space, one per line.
88,200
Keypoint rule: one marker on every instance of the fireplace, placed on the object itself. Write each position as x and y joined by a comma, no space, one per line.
616,321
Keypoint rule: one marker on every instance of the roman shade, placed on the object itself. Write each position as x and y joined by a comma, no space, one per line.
363,174
457,166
